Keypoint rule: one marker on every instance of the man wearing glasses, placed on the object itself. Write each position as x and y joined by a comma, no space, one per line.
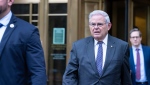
139,59
99,59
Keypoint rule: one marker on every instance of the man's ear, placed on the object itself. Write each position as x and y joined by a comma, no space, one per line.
109,26
10,2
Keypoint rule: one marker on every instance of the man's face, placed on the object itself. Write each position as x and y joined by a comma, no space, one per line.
98,27
135,38
5,7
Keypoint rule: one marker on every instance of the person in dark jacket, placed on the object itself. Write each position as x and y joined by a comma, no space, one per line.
100,59
21,53
139,59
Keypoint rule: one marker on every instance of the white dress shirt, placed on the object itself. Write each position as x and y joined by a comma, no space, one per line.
5,20
142,66
104,46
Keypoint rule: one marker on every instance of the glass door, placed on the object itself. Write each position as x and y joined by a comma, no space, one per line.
57,42
140,19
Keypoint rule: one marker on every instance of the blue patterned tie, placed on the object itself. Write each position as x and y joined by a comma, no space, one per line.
1,25
99,60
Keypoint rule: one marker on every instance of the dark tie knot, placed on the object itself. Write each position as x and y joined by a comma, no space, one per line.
137,49
1,25
100,42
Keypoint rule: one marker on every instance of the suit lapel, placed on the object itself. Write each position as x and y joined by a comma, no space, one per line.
109,53
132,64
146,59
90,54
10,28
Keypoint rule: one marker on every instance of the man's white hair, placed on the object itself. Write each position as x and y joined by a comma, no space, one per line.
100,12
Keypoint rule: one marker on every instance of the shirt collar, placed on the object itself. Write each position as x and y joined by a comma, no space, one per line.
134,48
104,41
5,20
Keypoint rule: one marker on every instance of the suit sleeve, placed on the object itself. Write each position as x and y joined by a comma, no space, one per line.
126,77
35,60
70,76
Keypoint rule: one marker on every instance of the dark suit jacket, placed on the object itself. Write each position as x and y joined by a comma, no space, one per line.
81,69
146,53
21,55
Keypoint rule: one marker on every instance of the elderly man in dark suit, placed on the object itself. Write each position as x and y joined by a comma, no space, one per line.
139,59
99,59
21,54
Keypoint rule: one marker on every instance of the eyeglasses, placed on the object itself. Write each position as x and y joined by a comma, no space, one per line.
97,24
135,37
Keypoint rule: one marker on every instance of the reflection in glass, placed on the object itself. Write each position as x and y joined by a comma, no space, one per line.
35,23
34,17
58,8
26,18
20,8
35,8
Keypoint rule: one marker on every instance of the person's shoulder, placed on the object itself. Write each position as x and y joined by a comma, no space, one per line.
20,23
84,40
145,46
23,22
24,27
117,40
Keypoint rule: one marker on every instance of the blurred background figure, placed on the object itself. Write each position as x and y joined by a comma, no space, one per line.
139,59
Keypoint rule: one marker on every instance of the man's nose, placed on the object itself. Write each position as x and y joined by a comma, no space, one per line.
96,26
